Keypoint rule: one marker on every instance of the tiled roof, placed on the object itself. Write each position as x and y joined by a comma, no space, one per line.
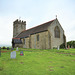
16,38
34,30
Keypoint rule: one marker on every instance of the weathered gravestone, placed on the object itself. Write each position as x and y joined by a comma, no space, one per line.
0,51
17,49
21,53
13,55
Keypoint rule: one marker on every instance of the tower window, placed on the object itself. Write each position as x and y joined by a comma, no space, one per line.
57,32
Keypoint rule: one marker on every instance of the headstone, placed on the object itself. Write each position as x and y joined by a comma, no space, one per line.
13,55
12,48
21,53
17,49
7,48
57,47
0,51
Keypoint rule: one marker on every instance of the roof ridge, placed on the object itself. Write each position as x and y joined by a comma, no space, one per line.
38,25
36,29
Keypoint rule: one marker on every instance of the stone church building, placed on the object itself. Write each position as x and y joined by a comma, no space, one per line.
48,35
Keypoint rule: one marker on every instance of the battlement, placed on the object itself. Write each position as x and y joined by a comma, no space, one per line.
18,27
19,22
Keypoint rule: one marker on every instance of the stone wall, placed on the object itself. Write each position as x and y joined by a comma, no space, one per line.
56,41
26,42
43,43
19,45
47,38
18,27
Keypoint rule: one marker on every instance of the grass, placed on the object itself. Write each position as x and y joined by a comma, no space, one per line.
38,62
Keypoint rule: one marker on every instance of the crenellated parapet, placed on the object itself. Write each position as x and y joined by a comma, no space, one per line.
19,22
18,27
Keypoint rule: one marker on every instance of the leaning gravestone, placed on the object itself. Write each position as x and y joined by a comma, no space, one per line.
0,51
13,55
21,53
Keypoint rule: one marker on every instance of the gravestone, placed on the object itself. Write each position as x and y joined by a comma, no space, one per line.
13,55
21,53
57,47
17,49
7,48
0,51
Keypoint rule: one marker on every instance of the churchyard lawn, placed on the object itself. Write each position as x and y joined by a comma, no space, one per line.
38,62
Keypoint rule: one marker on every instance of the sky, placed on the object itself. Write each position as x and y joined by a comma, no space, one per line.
36,12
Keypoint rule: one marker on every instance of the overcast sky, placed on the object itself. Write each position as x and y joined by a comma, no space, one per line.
36,12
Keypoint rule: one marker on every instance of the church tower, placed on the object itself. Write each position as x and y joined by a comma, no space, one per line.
18,27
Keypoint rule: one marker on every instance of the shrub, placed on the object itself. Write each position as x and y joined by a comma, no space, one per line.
3,47
71,43
62,46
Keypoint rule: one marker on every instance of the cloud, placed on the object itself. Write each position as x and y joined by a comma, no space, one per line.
35,13
6,28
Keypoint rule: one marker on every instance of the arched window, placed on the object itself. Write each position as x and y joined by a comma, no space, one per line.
57,32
